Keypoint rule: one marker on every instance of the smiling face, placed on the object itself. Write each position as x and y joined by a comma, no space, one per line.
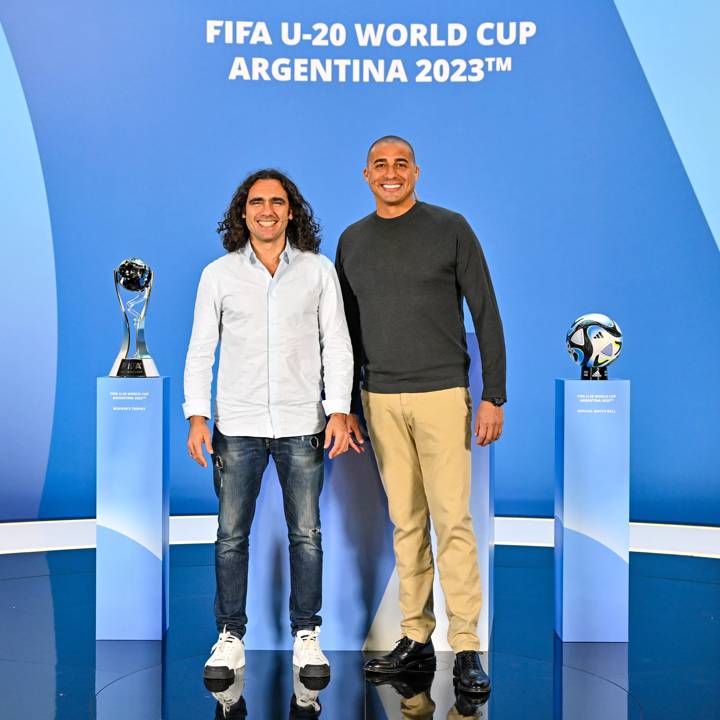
267,212
391,173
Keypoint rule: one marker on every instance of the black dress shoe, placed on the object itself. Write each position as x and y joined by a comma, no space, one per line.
407,655
407,685
470,706
469,674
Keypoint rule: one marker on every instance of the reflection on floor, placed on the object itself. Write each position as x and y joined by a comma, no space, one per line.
51,667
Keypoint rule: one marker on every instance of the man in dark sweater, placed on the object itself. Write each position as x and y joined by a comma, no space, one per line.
404,270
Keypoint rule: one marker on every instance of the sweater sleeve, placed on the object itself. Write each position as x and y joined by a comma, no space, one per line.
473,277
352,314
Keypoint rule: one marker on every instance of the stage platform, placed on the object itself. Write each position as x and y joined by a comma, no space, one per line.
50,666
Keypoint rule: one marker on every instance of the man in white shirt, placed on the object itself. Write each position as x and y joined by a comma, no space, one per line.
275,303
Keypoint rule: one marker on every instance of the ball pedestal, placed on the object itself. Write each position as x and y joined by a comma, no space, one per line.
592,499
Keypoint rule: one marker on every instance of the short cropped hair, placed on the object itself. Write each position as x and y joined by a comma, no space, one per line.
391,139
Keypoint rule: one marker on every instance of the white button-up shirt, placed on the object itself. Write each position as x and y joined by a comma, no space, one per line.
283,340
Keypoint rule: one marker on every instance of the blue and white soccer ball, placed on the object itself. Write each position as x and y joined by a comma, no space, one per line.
594,340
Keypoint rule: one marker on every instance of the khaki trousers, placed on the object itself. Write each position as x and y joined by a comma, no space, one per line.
422,446
422,707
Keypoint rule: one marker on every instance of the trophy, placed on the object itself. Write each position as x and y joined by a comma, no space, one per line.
136,277
594,341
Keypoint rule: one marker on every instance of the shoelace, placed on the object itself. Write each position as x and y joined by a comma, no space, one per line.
225,643
401,646
306,698
227,698
225,704
311,647
469,661
308,702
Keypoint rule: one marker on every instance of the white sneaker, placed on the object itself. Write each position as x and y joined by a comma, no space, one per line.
231,700
308,656
228,655
305,698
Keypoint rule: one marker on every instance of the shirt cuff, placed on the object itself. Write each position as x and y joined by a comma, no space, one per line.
494,393
336,406
197,407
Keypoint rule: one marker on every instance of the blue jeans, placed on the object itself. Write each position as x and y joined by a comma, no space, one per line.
239,463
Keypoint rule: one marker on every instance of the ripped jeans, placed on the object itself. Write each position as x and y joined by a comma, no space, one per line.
239,463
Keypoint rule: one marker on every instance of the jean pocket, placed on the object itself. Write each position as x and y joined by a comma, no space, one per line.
307,444
218,468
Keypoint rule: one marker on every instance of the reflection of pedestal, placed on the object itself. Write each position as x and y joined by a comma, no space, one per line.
592,498
128,679
590,681
132,509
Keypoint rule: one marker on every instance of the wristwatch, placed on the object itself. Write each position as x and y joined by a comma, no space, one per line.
497,402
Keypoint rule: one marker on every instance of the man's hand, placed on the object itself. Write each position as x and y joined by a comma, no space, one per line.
336,430
356,434
489,423
199,434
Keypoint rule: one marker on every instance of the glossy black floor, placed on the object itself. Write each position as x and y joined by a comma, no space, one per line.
51,667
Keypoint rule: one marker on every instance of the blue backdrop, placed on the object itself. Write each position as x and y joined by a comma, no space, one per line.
124,136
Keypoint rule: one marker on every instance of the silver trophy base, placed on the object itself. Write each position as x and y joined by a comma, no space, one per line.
134,367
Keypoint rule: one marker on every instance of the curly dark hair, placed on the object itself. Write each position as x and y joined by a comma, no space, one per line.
303,231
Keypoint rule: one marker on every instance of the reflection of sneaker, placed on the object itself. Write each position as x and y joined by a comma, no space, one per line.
305,702
231,703
308,656
228,655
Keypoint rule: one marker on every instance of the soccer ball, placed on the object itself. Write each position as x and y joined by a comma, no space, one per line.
594,340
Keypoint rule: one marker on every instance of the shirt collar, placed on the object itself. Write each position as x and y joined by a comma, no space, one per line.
288,253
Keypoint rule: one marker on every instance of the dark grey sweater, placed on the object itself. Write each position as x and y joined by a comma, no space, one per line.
403,280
